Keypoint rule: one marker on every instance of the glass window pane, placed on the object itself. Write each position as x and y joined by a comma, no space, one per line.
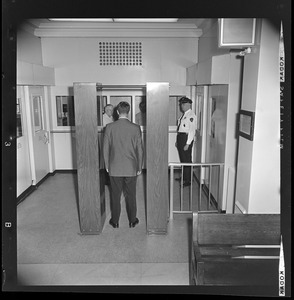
19,131
100,109
199,103
37,113
59,110
65,110
174,110
114,100
140,110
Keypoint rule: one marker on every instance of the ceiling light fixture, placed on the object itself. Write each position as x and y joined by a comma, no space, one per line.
146,20
131,20
82,20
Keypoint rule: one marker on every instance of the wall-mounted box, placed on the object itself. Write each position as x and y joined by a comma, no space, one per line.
236,33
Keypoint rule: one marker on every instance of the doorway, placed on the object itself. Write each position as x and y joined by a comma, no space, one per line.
39,133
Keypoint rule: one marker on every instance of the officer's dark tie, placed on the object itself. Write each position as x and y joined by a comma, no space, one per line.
180,122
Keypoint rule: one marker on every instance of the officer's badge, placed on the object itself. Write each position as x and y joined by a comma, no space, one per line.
191,119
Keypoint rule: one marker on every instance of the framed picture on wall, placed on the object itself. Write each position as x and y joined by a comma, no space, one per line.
246,124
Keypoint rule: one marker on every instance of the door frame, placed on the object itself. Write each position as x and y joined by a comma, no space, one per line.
30,133
23,142
47,94
29,123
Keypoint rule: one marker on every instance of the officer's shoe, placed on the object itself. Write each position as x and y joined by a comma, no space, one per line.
133,224
178,179
186,183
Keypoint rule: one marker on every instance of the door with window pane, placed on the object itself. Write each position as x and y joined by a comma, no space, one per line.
39,133
23,170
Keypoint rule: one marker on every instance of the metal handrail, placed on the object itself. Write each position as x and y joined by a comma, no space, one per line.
177,165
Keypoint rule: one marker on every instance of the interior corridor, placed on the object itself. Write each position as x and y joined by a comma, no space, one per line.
51,250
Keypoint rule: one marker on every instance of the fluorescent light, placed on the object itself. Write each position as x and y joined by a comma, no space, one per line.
157,20
82,20
146,20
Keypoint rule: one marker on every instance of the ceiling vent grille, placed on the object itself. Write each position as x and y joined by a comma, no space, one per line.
120,53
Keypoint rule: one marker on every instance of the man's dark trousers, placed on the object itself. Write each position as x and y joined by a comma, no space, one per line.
128,186
185,156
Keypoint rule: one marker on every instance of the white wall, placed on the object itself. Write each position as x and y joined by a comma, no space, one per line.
30,68
32,74
24,176
30,71
258,177
208,43
77,60
265,176
29,47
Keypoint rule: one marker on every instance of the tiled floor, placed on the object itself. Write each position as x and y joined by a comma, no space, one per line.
52,252
104,274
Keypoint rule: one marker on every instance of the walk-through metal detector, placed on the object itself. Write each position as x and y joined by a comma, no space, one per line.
90,169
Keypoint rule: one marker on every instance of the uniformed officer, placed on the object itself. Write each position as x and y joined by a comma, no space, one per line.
185,137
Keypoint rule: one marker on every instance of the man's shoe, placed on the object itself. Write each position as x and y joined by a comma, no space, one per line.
134,223
186,183
114,225
178,179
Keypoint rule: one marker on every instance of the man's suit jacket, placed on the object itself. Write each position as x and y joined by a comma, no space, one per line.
123,148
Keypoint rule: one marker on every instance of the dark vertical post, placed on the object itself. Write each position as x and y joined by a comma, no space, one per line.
157,157
90,184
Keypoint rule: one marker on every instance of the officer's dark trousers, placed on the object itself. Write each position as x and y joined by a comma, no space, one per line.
128,186
185,156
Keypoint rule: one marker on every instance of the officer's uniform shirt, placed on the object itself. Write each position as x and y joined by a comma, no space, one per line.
188,125
107,119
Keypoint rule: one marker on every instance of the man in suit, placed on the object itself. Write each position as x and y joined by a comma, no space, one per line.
123,156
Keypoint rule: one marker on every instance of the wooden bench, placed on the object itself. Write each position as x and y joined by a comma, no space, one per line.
235,249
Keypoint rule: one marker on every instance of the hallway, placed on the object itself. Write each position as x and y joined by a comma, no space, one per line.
51,251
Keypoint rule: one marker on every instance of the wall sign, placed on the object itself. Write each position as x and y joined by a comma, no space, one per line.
246,124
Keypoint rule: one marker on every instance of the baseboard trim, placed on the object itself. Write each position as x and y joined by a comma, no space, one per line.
44,179
31,189
25,194
240,207
66,171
